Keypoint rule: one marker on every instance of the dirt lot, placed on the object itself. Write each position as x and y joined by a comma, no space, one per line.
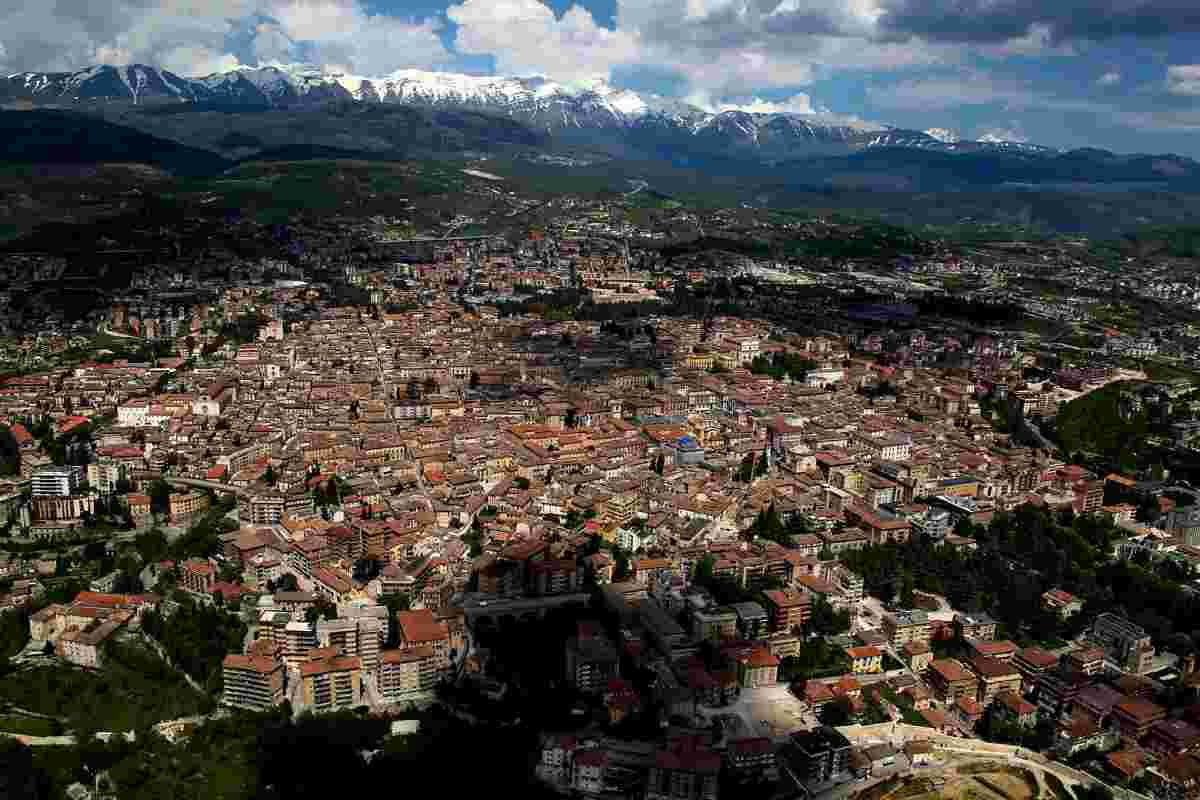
973,782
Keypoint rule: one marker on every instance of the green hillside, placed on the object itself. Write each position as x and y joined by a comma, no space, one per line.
1095,424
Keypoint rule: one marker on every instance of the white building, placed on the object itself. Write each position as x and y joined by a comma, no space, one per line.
57,481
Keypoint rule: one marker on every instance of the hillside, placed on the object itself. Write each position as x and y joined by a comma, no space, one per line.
59,137
1105,423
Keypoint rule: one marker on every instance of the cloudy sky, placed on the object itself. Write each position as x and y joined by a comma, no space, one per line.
1118,74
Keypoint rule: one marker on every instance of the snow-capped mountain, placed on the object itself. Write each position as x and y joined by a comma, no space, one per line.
555,108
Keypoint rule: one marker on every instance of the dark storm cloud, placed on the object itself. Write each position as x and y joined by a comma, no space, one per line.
994,21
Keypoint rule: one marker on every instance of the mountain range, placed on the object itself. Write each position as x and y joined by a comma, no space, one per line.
254,112
543,105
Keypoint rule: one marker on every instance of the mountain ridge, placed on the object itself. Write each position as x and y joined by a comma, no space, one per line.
537,102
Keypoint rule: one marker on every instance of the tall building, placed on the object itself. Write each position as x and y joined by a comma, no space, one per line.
407,675
332,683
252,682
352,637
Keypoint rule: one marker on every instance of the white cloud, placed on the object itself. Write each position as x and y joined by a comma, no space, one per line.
191,36
1184,79
526,39
1110,78
796,104
191,60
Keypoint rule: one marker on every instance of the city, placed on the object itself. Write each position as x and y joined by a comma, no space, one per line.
729,525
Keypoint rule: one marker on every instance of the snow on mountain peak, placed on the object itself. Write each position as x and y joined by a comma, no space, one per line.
944,135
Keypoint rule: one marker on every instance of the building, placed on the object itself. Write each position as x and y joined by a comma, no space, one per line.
85,647
751,757
902,627
752,620
407,675
820,755
252,682
950,680
787,608
421,629
757,669
865,660
198,576
1127,642
588,769
714,624
975,626
994,677
1063,603
592,660
362,637
683,770
53,481
1135,717
1031,662
1085,661
332,683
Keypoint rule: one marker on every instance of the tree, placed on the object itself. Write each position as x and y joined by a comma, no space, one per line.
703,574
269,475
834,714
160,496
745,472
321,609
760,467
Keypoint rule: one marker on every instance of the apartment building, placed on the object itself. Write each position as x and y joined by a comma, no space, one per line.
255,683
353,637
786,608
714,624
819,755
332,683
752,620
1031,662
592,659
757,668
950,680
975,626
407,675
902,627
421,629
1135,717
54,481
994,677
1127,642
683,770
299,639
197,576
